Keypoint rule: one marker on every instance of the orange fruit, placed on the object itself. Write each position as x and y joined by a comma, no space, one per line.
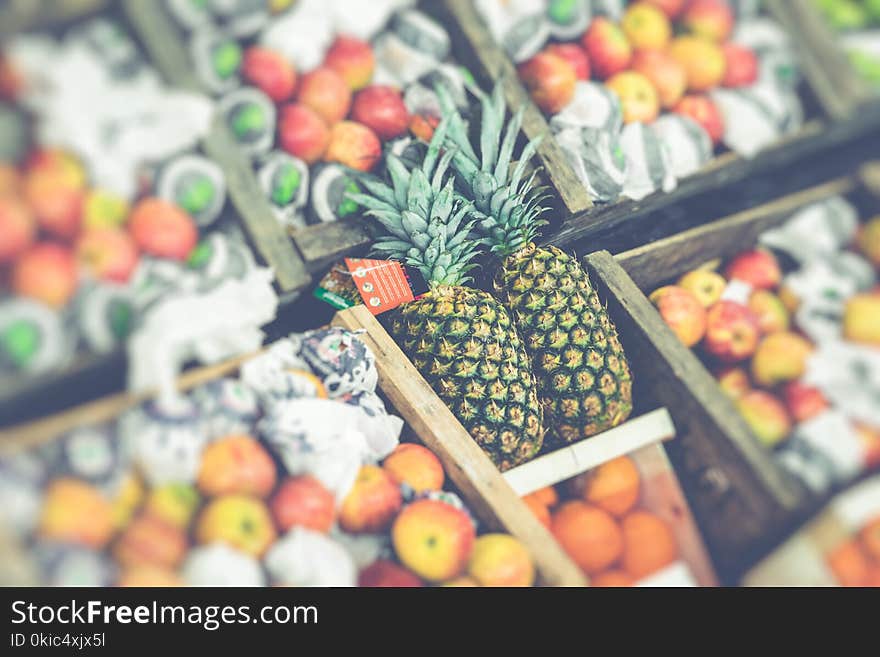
590,535
612,579
849,564
541,511
649,544
870,539
547,496
613,486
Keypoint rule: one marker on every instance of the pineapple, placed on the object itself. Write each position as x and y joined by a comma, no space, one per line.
462,340
584,381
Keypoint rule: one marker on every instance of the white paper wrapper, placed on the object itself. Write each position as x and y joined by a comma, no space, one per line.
308,558
831,433
849,377
648,166
399,61
593,105
597,160
302,35
221,565
137,120
298,432
519,26
817,231
363,549
688,145
756,117
363,19
209,327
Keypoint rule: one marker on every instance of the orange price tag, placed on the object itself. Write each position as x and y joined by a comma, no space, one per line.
382,284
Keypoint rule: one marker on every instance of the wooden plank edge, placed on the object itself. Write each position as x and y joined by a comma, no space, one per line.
29,15
466,465
23,436
495,64
569,461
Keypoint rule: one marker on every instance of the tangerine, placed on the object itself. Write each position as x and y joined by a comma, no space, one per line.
612,579
849,564
649,544
590,535
613,486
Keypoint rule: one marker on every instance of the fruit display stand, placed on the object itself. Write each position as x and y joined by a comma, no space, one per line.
580,217
744,500
838,547
836,83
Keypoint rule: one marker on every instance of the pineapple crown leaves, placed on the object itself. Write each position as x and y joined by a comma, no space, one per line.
508,207
423,221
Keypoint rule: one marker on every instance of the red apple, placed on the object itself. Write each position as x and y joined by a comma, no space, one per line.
607,48
771,313
741,66
352,59
381,109
303,501
384,573
422,126
433,539
550,80
638,97
149,541
303,133
56,204
353,145
107,253
268,70
702,59
766,416
702,110
326,93
46,272
712,19
734,381
732,332
779,358
682,312
758,267
162,229
664,72
372,503
68,169
646,26
803,401
416,466
237,465
574,55
17,228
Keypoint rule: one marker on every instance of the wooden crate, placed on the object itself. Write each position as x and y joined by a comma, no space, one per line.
492,62
836,84
744,501
20,15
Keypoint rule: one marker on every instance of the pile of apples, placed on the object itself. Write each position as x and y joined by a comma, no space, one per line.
56,230
601,521
243,502
664,55
332,113
755,350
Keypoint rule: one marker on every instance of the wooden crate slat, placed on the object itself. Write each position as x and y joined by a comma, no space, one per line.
17,438
321,244
569,461
24,15
479,481
494,64
163,44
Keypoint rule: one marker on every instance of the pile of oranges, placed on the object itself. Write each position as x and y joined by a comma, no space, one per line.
856,562
603,528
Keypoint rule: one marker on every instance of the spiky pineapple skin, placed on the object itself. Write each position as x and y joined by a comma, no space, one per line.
584,379
463,342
